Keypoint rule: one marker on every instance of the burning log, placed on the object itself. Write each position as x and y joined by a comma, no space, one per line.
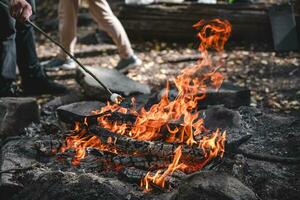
135,175
147,162
153,148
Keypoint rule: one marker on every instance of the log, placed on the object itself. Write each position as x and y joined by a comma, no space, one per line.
146,162
174,21
153,148
136,175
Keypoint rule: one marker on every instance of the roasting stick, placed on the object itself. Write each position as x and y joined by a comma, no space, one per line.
116,98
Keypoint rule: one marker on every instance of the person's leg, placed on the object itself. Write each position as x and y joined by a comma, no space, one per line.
67,15
34,79
7,45
27,58
7,52
105,18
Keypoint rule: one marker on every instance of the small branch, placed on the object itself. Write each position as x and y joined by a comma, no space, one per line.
184,59
270,158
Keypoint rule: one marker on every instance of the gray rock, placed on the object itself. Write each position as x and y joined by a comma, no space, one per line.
76,112
16,114
229,95
213,186
221,117
68,185
15,154
35,178
113,79
74,96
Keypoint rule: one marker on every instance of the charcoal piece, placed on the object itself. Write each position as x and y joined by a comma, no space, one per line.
239,168
221,117
213,186
149,162
114,80
47,147
132,174
77,112
229,95
16,114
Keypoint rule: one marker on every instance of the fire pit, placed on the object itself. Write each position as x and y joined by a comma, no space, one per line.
166,149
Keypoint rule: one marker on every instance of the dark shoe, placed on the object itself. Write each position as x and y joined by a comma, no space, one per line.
125,65
42,85
9,89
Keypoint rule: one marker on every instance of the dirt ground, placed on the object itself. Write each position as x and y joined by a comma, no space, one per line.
274,79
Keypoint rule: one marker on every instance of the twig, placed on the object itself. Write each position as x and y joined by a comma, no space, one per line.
184,59
270,158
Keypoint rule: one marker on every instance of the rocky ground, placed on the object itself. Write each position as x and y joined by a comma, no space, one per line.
265,167
272,77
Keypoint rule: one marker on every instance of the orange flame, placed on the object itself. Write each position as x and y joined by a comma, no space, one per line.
192,85
158,178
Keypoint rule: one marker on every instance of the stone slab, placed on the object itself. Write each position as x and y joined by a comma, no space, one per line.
114,80
16,114
76,112
229,95
213,186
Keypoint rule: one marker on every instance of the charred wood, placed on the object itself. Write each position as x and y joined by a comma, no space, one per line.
135,175
147,162
145,147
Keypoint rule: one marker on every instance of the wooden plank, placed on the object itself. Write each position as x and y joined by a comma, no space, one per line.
174,21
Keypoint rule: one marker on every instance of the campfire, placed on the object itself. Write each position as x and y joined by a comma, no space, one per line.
168,137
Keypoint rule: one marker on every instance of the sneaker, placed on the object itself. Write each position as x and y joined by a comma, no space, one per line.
125,65
42,85
56,63
69,64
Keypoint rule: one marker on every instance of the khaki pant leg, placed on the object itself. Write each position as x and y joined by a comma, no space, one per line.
103,15
67,13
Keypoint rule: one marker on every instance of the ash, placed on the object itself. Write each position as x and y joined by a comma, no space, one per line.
261,161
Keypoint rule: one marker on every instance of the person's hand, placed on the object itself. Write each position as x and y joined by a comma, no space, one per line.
20,9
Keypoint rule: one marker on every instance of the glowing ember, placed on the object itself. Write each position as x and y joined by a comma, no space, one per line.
192,85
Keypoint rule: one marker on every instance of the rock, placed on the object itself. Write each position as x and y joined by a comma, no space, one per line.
16,153
229,95
113,79
239,168
77,112
16,114
67,185
63,100
221,117
213,186
35,178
